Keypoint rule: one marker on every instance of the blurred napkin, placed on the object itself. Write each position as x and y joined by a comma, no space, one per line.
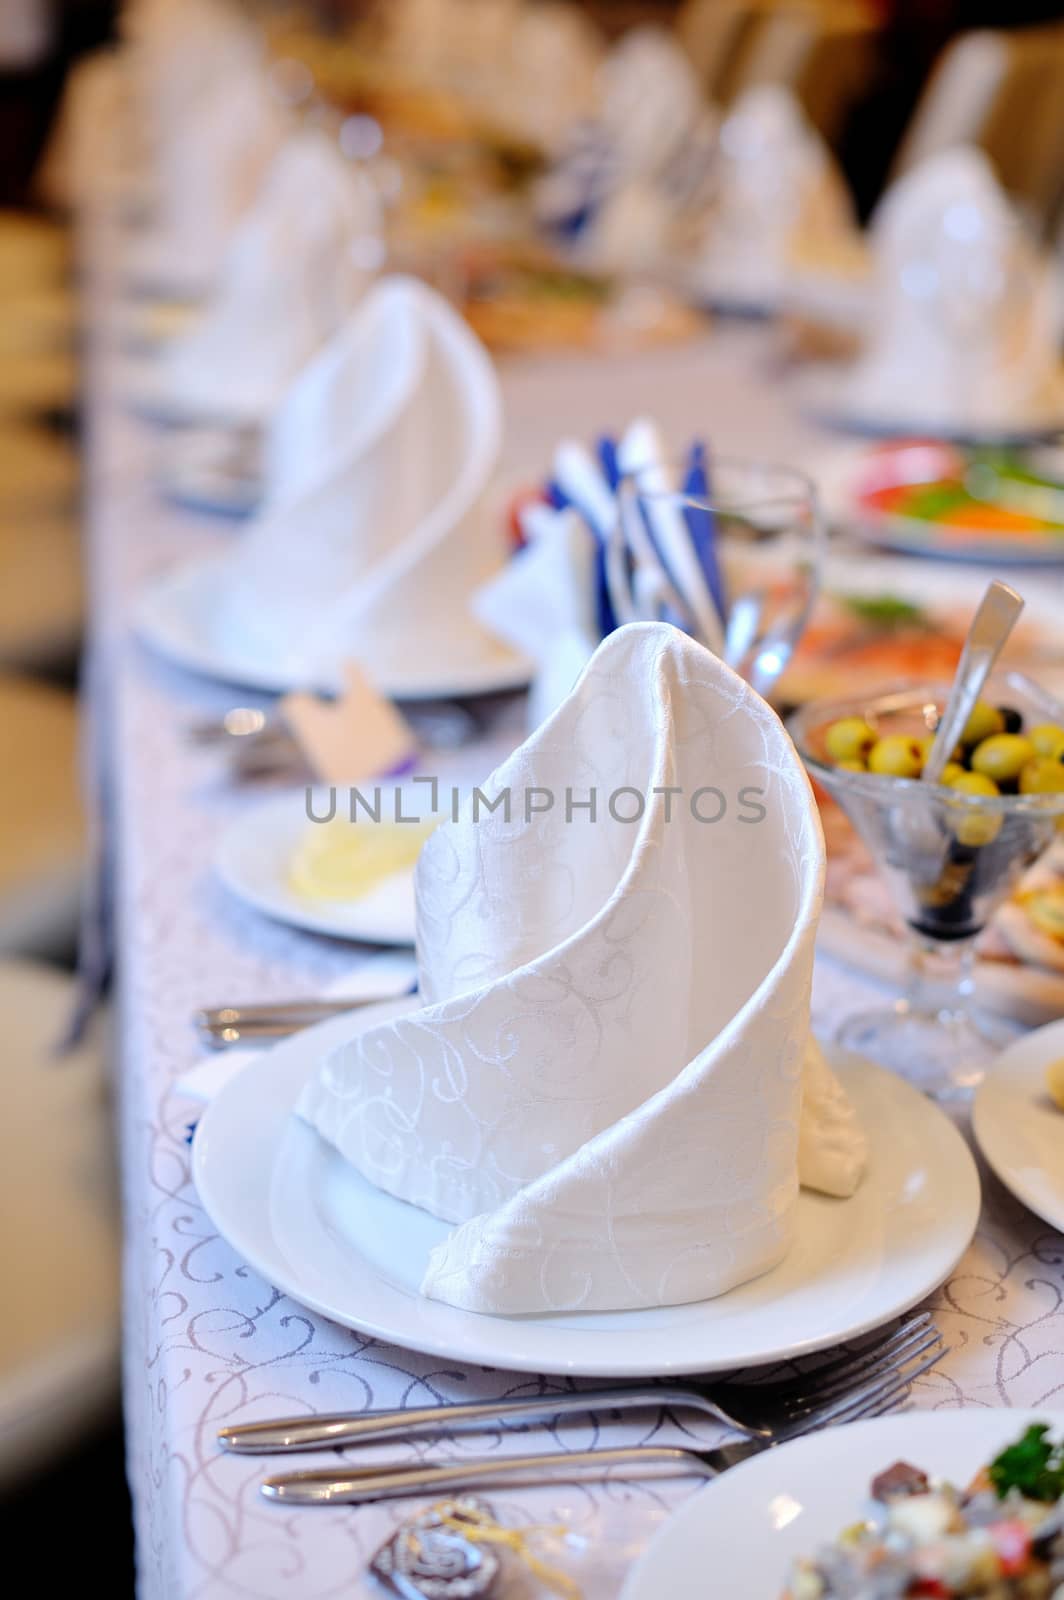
965,326
603,1085
551,42
779,197
616,188
298,264
544,603
374,531
584,568
215,126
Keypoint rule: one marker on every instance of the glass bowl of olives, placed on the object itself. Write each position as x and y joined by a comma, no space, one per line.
950,852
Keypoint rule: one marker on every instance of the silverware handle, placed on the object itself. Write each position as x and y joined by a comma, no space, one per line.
343,1428
331,1487
267,1011
993,622
249,1034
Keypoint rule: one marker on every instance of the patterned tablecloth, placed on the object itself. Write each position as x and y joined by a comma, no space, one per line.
207,1341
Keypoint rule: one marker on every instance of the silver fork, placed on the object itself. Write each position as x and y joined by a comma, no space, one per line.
394,1480
749,1408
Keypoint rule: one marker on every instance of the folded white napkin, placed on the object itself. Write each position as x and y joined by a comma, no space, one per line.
214,125
779,195
374,530
603,1086
966,318
299,262
650,118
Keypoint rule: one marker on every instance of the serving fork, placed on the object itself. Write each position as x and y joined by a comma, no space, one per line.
850,1401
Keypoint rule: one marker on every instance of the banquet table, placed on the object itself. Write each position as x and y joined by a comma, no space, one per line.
207,1342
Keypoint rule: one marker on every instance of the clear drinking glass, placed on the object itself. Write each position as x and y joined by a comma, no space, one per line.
765,531
949,860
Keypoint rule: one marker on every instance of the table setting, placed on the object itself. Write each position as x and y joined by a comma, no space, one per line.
515,1127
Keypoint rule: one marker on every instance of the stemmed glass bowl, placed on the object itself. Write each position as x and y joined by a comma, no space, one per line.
949,860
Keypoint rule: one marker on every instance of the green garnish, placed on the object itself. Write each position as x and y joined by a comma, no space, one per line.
881,610
1033,1465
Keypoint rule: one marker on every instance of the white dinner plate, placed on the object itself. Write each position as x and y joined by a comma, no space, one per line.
173,618
312,1226
738,1535
827,396
254,855
1019,1129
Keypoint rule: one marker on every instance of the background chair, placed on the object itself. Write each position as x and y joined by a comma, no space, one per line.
60,1245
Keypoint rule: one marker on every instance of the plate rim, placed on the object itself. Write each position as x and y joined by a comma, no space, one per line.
150,628
984,1126
820,395
415,1337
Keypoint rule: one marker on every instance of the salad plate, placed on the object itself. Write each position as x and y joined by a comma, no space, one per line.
177,617
1019,1129
926,498
740,1533
312,1226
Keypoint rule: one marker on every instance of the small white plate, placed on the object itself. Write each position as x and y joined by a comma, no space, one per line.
173,617
1019,1129
254,855
311,1225
827,396
739,1534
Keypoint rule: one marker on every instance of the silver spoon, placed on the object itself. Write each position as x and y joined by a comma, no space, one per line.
993,622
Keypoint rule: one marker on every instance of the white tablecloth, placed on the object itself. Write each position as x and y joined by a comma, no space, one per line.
207,1341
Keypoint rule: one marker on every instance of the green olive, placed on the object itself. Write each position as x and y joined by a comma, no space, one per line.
1003,756
1048,740
859,766
1043,775
984,722
951,772
896,756
849,739
974,828
976,783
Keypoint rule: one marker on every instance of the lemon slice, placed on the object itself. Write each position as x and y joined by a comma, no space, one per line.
343,860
